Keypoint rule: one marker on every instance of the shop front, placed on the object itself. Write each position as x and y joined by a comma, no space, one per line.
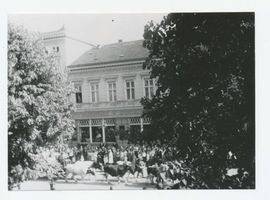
109,130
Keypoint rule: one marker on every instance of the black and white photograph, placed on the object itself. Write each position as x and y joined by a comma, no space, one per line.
131,101
134,100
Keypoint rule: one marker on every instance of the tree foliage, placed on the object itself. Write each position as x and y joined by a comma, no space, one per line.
38,108
204,104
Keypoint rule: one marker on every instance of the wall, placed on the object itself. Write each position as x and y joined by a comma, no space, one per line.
120,74
61,55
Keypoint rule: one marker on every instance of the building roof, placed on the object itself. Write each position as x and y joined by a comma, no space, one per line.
112,53
54,34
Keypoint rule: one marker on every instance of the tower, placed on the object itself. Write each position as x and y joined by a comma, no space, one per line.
55,41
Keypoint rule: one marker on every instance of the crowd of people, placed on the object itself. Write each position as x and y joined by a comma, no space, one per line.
112,154
143,156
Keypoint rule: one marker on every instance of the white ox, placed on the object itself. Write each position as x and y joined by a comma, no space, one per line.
80,168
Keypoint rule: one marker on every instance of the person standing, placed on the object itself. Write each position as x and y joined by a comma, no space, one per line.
85,154
125,156
144,155
81,154
77,154
70,153
110,156
117,155
95,154
129,154
105,158
122,155
100,156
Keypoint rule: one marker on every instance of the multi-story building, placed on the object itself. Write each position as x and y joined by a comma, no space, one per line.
65,48
110,82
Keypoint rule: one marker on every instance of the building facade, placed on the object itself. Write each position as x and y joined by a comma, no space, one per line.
110,83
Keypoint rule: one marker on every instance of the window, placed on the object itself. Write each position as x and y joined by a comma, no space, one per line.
55,49
78,93
85,135
94,92
110,132
148,88
97,134
112,91
130,88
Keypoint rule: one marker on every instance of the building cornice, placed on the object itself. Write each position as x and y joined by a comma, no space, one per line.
104,65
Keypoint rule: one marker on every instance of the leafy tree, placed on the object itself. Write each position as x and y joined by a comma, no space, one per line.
204,66
39,112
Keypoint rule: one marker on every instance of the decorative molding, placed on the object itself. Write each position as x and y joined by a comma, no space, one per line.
109,78
83,68
108,71
145,74
129,76
93,79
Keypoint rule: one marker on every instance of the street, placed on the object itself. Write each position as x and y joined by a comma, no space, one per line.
97,182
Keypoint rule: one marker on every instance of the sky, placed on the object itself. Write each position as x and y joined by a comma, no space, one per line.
92,28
